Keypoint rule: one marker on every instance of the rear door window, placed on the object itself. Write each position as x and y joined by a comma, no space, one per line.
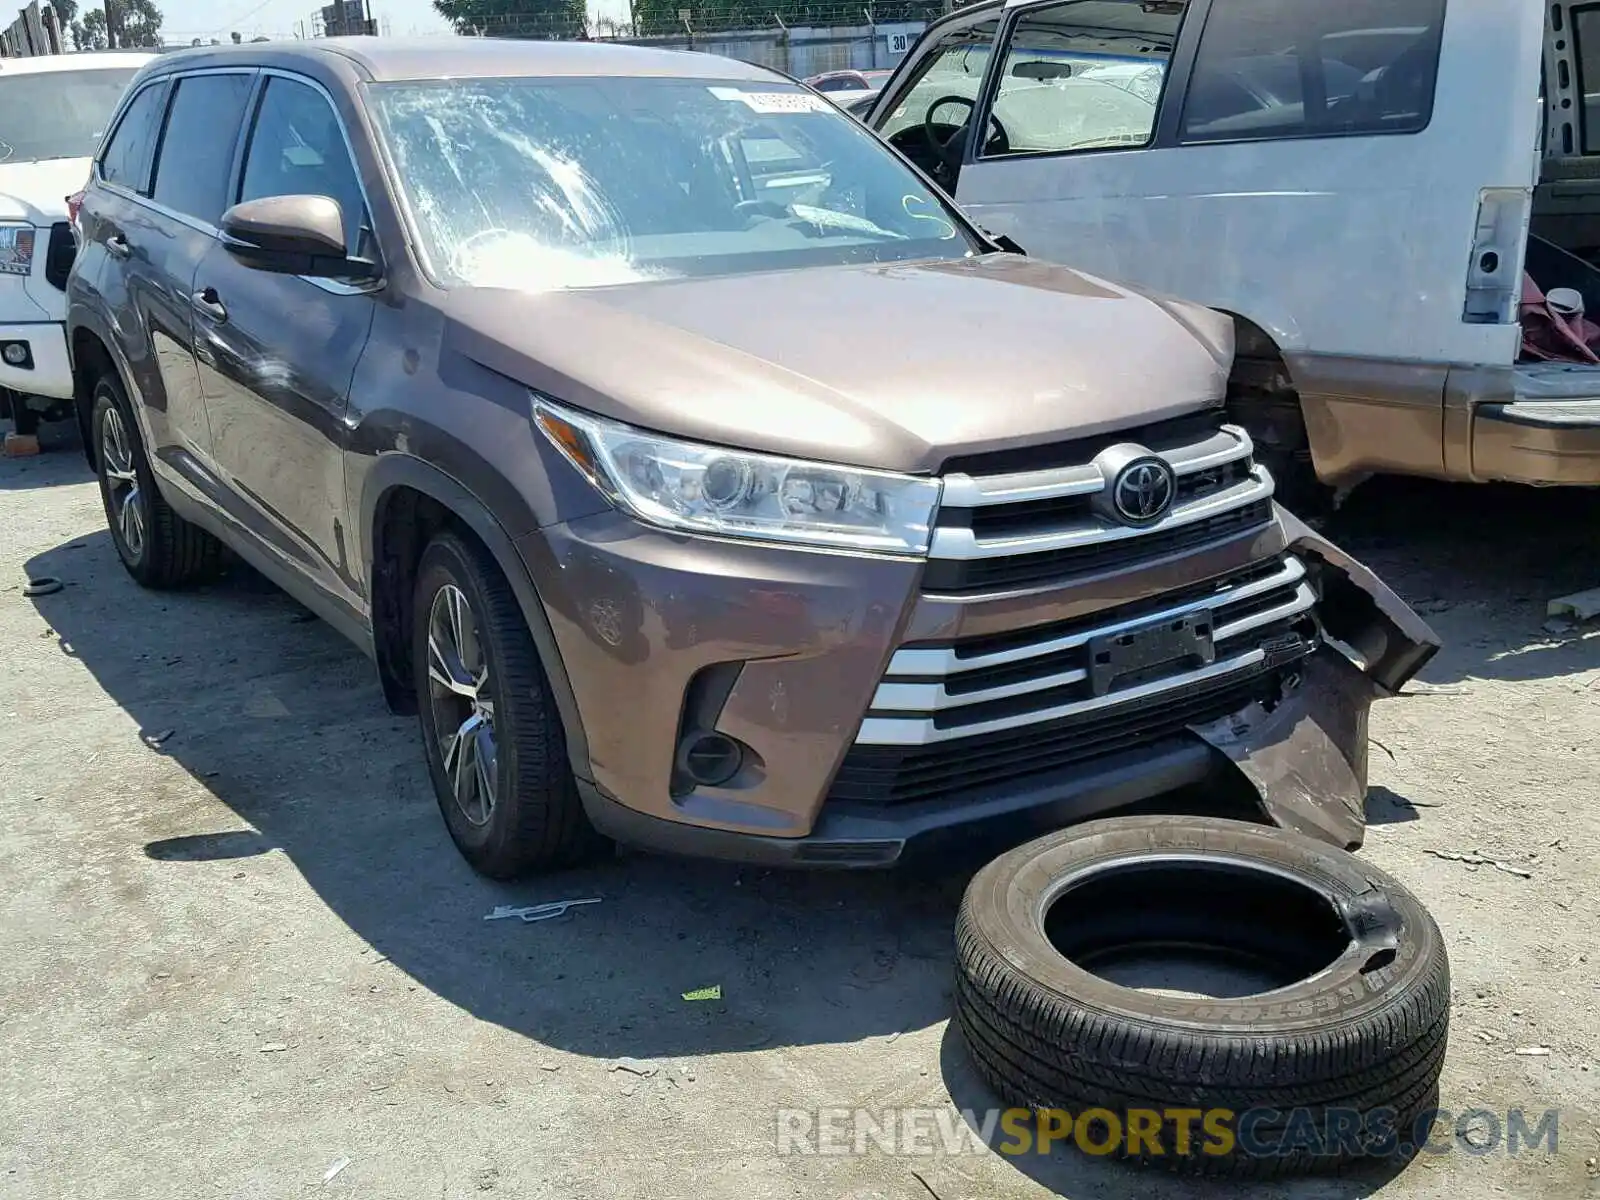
131,151
1307,69
196,159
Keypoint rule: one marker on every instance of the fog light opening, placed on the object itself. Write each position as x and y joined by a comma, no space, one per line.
16,354
710,759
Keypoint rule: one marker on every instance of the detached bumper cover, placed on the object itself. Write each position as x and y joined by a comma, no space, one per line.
1307,757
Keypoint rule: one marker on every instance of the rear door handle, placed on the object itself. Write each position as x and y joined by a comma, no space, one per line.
209,306
118,246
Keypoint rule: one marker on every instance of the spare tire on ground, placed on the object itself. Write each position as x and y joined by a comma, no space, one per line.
1207,995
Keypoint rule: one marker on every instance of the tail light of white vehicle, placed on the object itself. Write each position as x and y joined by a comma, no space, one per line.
1494,273
74,207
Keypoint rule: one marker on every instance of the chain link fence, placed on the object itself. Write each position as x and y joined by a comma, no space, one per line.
798,39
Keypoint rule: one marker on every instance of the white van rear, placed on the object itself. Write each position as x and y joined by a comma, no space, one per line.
1354,182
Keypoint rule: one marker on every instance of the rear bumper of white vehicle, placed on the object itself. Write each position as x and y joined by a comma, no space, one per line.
46,370
1546,431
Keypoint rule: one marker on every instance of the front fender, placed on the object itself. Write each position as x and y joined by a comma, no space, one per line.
394,470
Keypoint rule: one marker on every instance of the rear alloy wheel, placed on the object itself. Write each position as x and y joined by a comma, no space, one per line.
496,749
159,548
126,502
1205,995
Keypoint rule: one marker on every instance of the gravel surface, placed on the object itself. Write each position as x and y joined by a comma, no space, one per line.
241,956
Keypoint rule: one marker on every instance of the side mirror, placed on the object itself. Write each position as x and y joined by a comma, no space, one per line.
293,235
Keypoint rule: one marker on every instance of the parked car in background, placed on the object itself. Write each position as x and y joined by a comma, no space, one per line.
781,525
53,111
1353,183
848,88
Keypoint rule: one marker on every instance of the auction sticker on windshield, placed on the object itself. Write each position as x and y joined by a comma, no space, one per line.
773,103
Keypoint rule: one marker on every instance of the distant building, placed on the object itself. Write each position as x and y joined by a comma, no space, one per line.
346,17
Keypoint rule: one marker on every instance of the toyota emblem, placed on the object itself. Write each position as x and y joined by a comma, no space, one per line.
1143,491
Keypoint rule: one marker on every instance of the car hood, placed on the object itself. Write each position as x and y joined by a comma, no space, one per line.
896,366
36,192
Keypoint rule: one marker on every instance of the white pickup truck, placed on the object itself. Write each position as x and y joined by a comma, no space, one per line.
53,112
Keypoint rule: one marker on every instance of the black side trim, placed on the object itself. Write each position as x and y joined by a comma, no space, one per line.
62,253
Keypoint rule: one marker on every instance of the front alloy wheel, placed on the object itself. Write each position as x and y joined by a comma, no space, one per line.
459,690
496,747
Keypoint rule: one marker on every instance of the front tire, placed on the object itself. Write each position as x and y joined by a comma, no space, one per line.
496,749
159,548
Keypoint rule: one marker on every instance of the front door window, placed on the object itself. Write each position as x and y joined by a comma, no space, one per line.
1082,75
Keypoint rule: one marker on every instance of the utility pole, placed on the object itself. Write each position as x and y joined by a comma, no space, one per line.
111,30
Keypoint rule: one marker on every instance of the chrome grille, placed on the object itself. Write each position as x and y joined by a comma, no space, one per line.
1042,525
1256,618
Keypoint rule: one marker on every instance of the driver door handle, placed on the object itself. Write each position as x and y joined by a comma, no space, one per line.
209,305
118,246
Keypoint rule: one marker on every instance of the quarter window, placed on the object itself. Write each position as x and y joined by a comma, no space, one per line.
197,147
1085,75
297,149
128,157
1307,68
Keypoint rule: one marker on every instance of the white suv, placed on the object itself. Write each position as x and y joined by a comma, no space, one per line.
53,112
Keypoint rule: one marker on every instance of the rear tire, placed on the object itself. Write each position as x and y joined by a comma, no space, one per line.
159,548
1358,1040
496,748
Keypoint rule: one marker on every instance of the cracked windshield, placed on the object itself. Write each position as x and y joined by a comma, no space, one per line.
549,184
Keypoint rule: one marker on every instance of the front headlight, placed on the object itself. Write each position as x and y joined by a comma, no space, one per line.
16,249
735,493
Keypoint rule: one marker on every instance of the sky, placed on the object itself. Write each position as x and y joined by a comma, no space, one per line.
206,19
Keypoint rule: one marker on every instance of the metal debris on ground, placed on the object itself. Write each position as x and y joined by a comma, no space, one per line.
42,585
272,1048
536,912
155,739
633,1066
1477,859
1580,606
332,1172
1533,1051
714,992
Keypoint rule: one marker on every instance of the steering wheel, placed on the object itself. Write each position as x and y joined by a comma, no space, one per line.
949,149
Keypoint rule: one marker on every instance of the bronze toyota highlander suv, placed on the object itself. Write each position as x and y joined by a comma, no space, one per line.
701,477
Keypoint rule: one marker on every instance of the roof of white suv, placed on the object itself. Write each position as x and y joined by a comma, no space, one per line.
90,61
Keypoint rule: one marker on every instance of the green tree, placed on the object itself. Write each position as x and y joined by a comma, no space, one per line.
137,23
516,18
90,33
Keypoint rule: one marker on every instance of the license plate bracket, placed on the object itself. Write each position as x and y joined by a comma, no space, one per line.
1134,656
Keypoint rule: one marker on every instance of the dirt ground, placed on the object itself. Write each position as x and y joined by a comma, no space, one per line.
238,948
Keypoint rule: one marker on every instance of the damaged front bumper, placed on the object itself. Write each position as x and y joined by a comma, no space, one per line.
1307,756
875,712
